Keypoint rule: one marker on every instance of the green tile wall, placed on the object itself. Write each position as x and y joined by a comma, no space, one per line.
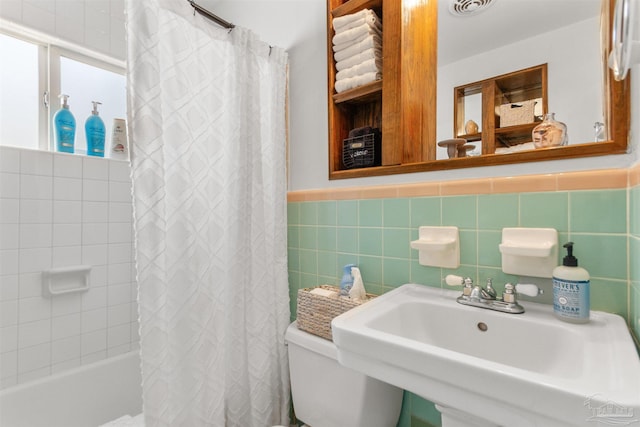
375,234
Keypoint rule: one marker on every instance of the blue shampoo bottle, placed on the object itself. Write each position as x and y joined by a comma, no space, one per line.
64,127
95,131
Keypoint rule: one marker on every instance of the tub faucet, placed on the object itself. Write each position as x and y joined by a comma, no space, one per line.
487,297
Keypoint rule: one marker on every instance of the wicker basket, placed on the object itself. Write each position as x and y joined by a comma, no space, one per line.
517,113
315,312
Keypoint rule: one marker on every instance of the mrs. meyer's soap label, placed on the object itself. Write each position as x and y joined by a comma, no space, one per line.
571,299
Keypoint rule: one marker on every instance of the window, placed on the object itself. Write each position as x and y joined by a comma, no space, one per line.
30,85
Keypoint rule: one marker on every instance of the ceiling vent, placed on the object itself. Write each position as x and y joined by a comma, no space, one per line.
469,7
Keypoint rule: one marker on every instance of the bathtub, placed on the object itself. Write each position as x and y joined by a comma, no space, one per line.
87,396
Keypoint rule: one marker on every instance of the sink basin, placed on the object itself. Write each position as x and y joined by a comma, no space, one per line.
488,368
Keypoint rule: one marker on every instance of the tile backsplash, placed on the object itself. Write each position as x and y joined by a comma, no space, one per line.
61,210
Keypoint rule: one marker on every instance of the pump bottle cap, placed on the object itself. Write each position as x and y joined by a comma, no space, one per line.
63,100
569,260
95,107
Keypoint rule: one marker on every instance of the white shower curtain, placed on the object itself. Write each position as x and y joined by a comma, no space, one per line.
207,127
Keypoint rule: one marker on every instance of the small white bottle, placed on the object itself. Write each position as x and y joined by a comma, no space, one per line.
571,300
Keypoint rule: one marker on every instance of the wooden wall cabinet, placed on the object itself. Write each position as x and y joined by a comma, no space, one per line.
403,104
511,88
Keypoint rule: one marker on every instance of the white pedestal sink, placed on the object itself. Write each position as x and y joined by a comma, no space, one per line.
485,368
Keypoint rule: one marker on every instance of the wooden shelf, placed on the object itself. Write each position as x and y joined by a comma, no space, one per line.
353,6
366,93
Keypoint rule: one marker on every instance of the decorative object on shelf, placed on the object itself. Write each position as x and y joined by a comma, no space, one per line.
550,133
471,127
599,133
519,113
452,146
463,149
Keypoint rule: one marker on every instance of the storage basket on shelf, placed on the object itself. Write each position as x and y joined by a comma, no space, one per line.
517,113
315,312
362,149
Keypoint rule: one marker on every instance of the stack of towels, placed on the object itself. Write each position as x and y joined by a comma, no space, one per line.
357,49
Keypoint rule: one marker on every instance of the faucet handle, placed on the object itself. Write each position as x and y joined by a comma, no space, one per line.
529,290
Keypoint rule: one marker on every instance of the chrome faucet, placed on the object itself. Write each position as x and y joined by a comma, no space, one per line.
487,297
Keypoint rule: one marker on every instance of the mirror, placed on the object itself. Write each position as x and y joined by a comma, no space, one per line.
501,37
513,35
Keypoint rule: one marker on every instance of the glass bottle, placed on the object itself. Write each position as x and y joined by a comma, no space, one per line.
549,133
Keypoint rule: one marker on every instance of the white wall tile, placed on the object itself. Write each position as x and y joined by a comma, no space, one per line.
35,260
95,211
95,168
70,20
117,9
9,185
31,285
119,315
8,338
118,45
36,187
35,374
121,349
9,156
66,326
9,261
66,256
118,335
67,304
119,253
96,191
8,313
120,232
120,171
36,211
119,192
65,349
34,333
9,287
34,308
35,357
8,365
94,298
9,211
36,235
97,26
93,342
94,254
67,235
94,357
121,212
67,212
98,275
46,5
9,236
67,188
118,294
95,233
65,366
93,320
36,162
37,17
119,273
67,165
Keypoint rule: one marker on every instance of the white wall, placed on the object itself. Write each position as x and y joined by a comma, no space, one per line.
62,210
300,27
95,24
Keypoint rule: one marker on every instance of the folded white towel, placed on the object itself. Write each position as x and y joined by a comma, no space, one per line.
368,66
370,19
371,53
356,81
358,37
367,43
350,36
343,22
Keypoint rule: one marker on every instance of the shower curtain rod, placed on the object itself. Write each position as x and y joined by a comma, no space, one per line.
201,10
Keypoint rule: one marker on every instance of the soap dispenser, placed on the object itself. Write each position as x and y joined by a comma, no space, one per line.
571,301
346,283
95,131
64,127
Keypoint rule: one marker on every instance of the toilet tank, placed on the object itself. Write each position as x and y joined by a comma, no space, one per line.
326,394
